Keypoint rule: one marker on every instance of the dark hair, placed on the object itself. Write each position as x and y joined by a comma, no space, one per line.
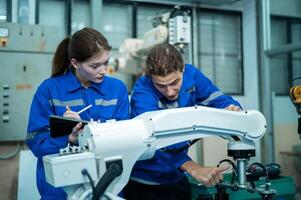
163,59
82,45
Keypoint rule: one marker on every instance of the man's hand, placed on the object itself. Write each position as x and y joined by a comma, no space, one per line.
209,176
233,108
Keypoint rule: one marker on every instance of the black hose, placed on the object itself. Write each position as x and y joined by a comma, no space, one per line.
114,170
234,172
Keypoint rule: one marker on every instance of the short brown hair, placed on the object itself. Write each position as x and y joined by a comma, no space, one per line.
163,59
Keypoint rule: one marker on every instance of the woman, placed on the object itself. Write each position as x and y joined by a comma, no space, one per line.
78,80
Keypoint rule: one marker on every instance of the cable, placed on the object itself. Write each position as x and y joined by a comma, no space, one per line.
234,172
267,179
221,187
232,164
183,148
11,154
86,173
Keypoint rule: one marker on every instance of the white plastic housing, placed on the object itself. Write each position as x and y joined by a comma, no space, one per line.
66,170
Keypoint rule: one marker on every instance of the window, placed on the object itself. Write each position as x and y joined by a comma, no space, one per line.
284,68
50,18
3,13
220,49
23,11
296,56
278,64
80,15
117,25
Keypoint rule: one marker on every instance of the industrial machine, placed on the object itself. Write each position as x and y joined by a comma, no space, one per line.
25,53
101,164
173,27
295,95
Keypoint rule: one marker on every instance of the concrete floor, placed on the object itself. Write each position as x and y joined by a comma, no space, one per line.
8,172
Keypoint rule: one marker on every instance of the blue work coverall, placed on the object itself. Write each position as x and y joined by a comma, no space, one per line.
196,89
109,100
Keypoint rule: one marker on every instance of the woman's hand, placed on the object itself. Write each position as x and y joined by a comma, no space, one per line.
71,114
73,136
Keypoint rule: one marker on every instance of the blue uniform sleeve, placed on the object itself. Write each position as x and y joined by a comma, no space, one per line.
123,105
142,100
38,137
179,158
208,94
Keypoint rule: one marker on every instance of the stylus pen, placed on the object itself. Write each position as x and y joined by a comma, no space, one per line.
84,109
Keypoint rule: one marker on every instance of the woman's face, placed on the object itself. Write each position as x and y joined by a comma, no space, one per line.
92,70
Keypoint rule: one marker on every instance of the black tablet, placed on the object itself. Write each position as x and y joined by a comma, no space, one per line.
60,126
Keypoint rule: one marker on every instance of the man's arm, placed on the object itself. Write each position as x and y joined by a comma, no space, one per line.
233,108
209,176
142,99
207,94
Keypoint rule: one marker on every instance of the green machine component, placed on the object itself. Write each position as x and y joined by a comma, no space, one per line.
284,185
26,52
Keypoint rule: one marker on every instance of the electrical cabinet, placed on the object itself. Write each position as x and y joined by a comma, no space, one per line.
26,53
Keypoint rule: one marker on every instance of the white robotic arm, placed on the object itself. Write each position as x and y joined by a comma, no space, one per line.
173,27
125,142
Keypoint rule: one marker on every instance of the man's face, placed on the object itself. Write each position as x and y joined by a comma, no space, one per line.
169,85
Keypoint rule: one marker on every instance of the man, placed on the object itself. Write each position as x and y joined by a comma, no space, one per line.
169,83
